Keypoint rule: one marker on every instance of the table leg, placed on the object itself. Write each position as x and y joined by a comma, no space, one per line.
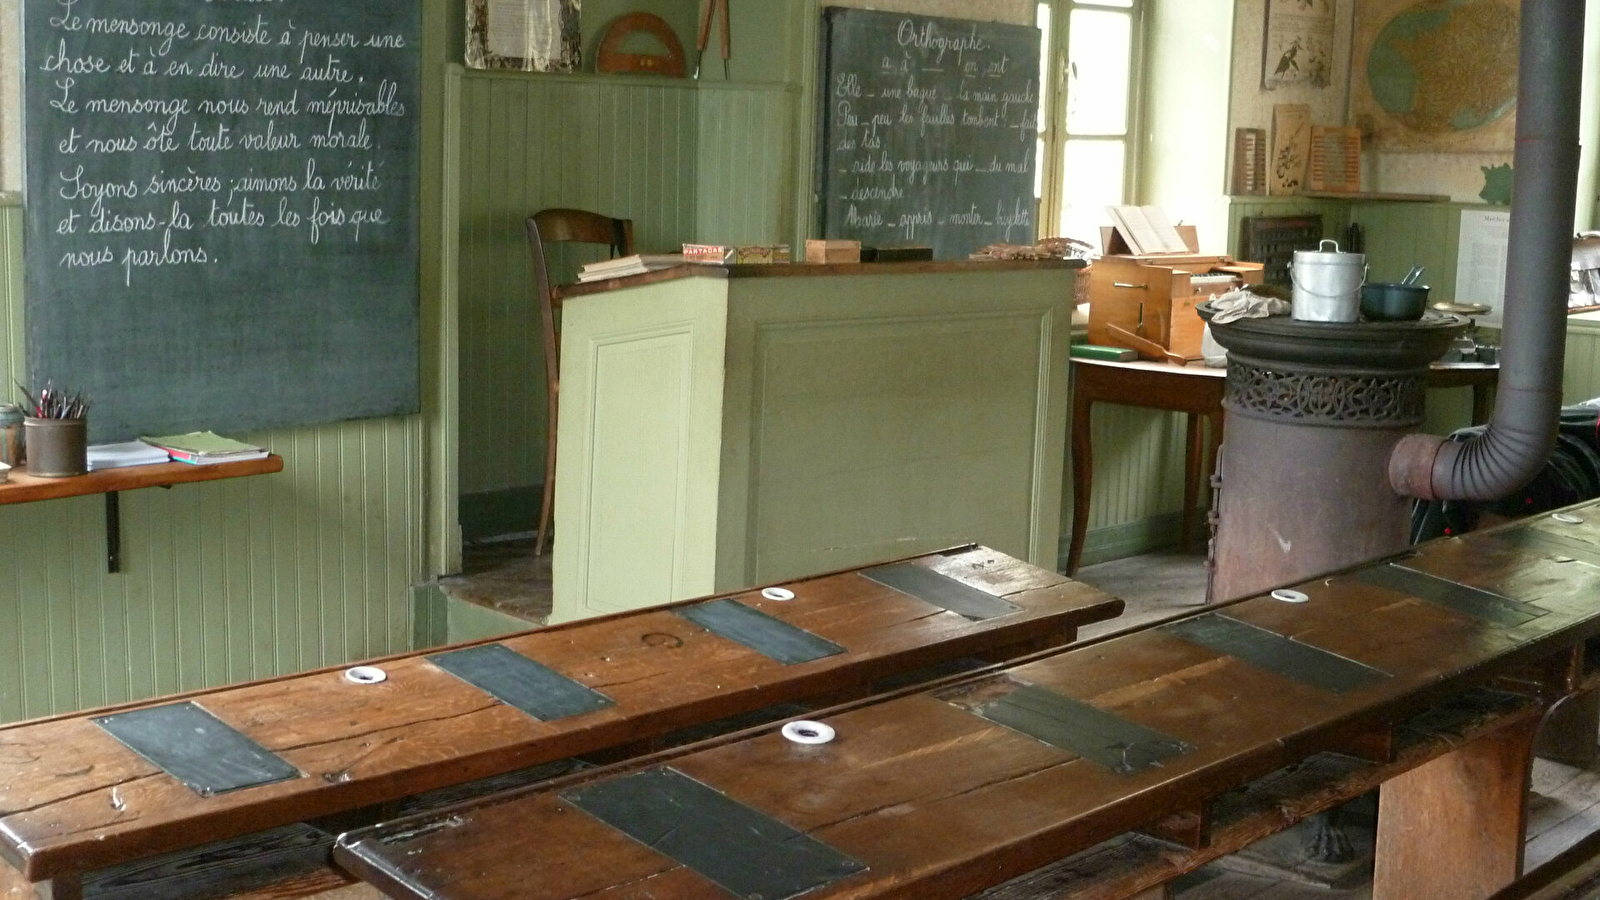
1193,453
1452,829
1482,397
1082,473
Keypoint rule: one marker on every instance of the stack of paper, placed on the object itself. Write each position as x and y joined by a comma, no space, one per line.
203,448
637,264
131,453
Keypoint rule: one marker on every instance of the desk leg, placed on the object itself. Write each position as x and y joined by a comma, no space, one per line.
1082,473
1193,454
1453,828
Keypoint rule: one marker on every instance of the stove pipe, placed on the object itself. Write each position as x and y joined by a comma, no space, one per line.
1522,432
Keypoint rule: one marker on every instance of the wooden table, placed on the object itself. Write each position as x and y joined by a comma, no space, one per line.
73,800
936,793
1197,392
24,488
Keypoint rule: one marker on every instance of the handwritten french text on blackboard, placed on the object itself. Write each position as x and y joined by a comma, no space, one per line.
930,131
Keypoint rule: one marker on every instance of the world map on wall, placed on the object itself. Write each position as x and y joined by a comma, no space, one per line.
1446,65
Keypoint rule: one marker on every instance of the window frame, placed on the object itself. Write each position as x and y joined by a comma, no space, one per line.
1053,123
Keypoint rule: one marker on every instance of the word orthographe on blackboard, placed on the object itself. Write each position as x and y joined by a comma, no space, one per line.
126,87
931,128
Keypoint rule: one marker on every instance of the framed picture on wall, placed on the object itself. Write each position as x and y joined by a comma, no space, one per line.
1299,43
524,35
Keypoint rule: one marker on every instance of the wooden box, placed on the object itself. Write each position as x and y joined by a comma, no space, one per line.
833,251
1151,308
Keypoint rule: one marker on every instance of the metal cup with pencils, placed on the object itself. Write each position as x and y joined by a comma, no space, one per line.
56,425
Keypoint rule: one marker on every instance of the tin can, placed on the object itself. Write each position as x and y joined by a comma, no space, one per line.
11,440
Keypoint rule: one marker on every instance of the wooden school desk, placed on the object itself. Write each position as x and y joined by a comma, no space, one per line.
1196,391
80,811
1425,675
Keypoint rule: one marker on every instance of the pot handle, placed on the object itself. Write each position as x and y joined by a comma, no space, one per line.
1298,286
1326,241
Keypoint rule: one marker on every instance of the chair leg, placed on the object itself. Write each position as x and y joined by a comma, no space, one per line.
549,490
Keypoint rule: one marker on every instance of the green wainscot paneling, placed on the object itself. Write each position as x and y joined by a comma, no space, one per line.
746,163
221,582
1581,375
1400,235
684,161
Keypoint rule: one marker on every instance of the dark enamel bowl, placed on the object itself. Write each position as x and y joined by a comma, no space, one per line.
1381,302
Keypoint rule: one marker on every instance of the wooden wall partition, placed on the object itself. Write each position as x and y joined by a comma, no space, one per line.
745,158
683,162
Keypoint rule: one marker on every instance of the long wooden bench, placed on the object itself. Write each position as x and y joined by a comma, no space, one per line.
74,799
945,791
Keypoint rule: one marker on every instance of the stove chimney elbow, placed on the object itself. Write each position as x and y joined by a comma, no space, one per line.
1411,465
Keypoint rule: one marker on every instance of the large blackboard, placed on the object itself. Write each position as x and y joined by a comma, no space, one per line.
929,129
222,209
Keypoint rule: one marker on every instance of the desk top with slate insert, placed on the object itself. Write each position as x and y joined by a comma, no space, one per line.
941,791
87,791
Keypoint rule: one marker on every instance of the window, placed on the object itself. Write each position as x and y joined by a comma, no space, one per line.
1088,110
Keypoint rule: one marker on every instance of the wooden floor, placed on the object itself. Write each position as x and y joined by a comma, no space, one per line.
1565,805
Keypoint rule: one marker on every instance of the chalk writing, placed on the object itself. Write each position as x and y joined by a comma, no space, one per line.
255,121
930,131
223,209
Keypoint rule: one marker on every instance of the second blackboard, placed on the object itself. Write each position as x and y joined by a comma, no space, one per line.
929,129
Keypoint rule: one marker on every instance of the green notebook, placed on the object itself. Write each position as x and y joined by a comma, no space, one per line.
1109,354
202,443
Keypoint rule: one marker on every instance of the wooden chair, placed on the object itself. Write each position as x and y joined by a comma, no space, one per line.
553,226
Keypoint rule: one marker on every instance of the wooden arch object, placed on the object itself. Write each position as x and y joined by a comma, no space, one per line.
610,59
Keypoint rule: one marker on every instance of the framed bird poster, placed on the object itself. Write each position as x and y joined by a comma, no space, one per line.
1299,43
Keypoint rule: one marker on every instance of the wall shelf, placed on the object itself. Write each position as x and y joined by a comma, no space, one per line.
25,488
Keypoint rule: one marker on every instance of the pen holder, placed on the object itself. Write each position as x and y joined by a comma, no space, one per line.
57,448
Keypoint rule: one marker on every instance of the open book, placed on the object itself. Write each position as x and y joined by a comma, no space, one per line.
1146,229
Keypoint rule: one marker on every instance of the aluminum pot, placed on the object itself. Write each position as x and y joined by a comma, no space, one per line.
1327,284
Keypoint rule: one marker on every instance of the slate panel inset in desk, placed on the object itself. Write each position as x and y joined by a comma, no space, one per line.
771,637
521,683
744,850
1101,737
1465,599
1534,540
205,753
941,590
1275,653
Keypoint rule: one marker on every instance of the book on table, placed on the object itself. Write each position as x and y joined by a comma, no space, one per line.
128,453
637,264
200,448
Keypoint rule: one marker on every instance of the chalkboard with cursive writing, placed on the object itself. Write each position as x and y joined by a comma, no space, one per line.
928,131
221,208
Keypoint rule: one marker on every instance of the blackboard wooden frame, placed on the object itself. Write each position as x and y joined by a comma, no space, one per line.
239,250
927,131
